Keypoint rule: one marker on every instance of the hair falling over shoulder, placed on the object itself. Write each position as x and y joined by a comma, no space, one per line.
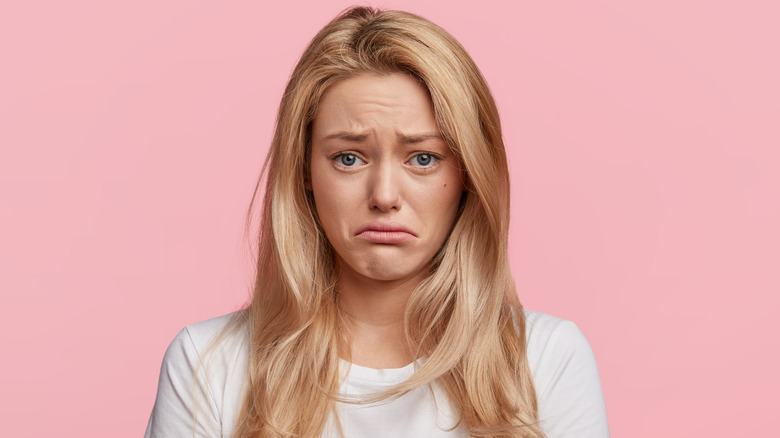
465,318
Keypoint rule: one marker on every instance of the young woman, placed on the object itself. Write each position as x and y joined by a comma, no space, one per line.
383,304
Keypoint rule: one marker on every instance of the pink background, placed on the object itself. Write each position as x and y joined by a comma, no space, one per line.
645,152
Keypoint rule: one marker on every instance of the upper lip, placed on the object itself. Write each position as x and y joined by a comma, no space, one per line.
384,226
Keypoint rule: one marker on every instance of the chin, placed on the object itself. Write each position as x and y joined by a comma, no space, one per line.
386,270
386,264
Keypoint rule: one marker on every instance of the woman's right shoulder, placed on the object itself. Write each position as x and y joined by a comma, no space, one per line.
201,379
222,339
224,327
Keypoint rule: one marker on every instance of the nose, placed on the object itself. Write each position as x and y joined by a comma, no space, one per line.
385,194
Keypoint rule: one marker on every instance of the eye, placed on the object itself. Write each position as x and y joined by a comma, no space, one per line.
348,160
423,160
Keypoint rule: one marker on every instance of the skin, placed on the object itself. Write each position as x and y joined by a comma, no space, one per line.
378,160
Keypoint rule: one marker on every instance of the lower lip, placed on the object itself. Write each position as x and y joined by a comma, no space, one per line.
386,236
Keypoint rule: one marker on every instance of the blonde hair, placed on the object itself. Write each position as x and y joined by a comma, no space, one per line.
464,318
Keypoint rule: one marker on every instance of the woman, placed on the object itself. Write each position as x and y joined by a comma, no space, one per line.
383,302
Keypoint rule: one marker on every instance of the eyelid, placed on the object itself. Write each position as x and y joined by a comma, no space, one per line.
334,158
436,159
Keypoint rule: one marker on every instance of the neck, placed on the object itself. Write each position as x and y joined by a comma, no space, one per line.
373,316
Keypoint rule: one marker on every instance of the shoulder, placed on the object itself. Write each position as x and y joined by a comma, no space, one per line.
203,335
201,379
547,335
216,348
566,378
218,338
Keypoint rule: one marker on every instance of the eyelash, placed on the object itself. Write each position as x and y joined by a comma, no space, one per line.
338,157
433,157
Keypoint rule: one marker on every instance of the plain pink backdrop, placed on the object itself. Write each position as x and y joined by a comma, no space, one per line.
645,152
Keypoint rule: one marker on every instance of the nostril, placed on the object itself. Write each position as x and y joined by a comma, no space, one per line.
385,200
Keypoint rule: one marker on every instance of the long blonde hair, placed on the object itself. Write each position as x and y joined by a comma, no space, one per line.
464,318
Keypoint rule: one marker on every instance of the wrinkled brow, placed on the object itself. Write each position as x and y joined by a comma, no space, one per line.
400,137
417,138
348,136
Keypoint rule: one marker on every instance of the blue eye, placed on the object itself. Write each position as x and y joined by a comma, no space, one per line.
423,160
348,160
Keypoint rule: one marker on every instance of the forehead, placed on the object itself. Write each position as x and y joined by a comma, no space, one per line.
371,101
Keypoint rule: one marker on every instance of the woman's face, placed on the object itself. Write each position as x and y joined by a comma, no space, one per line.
385,184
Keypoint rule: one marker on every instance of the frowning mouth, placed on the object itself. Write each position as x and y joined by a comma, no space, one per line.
385,232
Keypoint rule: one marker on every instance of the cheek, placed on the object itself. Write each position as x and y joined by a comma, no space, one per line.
453,195
450,193
322,183
332,199
325,205
439,207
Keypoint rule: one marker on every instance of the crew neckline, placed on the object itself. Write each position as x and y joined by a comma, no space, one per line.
384,376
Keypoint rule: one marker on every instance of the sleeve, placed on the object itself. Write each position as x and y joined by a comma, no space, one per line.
184,406
571,402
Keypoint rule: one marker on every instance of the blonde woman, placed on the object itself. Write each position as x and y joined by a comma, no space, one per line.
383,304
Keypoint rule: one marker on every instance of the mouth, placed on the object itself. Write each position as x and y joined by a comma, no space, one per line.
385,232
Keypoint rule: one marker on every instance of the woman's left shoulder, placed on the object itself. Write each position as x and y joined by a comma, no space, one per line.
553,342
543,331
566,378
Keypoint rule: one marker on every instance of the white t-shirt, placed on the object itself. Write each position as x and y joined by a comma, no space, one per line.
564,371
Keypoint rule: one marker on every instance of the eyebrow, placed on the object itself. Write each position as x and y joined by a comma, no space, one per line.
348,136
402,138
416,138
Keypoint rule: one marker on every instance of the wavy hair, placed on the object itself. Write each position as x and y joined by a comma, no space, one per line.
464,318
